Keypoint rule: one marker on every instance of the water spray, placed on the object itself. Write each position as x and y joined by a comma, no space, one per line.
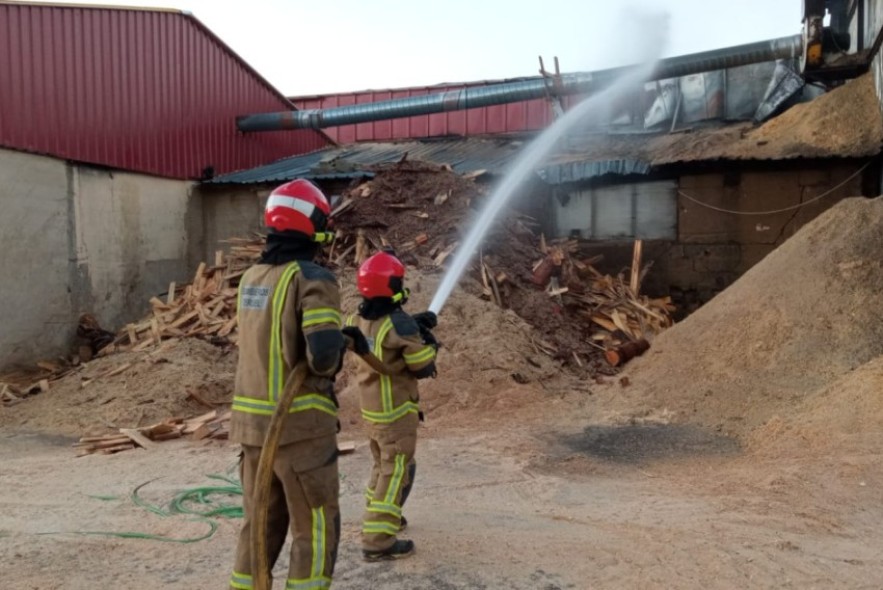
525,165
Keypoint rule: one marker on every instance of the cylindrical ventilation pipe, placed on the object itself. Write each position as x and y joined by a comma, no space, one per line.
484,96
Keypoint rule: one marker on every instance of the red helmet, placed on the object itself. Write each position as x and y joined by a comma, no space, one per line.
382,275
298,206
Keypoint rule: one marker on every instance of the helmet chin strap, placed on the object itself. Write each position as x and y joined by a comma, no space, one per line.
401,296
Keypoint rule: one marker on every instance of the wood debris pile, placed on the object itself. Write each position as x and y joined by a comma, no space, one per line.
415,207
214,425
205,308
420,210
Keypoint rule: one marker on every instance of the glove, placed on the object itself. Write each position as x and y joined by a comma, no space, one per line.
429,337
357,339
426,319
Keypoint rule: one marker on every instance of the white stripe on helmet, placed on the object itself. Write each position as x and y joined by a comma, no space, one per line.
292,203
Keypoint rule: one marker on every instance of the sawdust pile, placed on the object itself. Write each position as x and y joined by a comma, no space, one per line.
780,342
487,361
845,122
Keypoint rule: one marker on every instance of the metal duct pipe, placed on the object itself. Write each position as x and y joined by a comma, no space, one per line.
484,96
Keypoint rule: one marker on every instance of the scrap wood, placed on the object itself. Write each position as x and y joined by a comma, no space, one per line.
138,438
212,425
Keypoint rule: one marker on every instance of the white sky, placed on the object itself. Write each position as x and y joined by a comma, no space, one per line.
317,46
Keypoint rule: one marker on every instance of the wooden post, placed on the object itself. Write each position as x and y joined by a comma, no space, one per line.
635,282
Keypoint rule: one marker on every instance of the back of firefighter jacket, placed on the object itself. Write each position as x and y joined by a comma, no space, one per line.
390,401
287,313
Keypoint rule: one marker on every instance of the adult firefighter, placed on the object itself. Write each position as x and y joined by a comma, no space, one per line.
289,313
389,401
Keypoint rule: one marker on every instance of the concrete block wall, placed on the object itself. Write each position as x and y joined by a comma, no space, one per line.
76,239
714,249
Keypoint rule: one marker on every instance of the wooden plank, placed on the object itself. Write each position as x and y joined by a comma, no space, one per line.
43,384
138,438
206,430
117,449
114,372
635,282
170,298
346,447
184,319
207,417
133,334
168,436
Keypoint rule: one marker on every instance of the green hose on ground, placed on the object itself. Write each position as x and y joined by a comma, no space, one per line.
203,503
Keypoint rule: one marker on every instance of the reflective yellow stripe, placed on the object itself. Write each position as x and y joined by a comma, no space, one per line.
372,527
385,381
384,508
395,483
321,315
369,494
310,401
318,568
351,320
387,417
241,581
276,360
423,355
308,583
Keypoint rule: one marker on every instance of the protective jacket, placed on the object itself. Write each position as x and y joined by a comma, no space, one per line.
391,401
287,313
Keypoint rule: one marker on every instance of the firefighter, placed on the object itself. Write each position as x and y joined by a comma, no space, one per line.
407,347
289,312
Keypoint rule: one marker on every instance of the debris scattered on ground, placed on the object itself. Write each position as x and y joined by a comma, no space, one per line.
214,425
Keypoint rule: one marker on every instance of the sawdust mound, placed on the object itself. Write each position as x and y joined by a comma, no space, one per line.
847,414
845,122
487,362
153,386
803,318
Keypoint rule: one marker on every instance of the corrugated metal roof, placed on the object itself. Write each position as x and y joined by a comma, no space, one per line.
575,171
145,90
464,155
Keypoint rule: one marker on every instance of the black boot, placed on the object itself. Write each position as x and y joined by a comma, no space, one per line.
397,550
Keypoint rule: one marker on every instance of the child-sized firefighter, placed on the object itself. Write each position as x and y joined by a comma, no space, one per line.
407,347
289,313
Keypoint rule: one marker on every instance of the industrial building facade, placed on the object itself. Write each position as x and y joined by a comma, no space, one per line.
143,90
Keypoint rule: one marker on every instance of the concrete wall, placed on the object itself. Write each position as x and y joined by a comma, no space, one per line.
712,248
227,212
77,239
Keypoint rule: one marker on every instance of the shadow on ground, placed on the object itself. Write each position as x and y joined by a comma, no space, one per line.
647,442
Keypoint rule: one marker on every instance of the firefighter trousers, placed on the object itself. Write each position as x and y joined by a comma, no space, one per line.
303,497
391,479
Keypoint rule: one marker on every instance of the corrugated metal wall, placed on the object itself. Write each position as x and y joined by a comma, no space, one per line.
529,115
144,90
646,210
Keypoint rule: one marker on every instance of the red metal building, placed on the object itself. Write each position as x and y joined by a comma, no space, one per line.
529,115
146,90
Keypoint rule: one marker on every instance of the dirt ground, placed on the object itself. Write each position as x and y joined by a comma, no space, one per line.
741,451
546,500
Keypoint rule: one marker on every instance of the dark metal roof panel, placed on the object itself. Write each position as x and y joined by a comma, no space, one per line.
352,161
145,90
584,170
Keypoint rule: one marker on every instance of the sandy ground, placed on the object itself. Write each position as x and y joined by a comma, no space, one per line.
563,503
